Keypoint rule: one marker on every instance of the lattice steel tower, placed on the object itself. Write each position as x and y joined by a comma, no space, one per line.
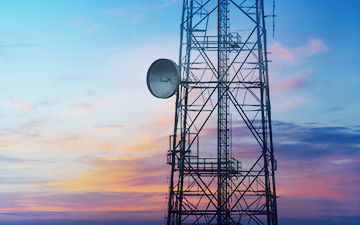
221,152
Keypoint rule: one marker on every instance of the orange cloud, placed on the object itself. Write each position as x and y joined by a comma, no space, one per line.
146,174
8,140
18,165
50,141
100,202
135,137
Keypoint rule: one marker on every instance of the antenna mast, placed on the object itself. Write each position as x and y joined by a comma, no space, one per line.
221,152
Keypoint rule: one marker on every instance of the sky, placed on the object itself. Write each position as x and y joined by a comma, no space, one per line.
82,140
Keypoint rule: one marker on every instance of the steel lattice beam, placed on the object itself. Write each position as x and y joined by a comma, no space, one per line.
224,78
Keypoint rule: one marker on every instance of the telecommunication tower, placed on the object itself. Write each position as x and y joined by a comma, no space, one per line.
221,152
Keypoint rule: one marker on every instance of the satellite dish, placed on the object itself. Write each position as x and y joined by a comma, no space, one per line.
163,78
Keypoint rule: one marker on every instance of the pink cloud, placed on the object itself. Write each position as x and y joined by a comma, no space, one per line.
322,179
297,81
313,46
295,55
100,204
24,106
315,207
316,45
82,108
281,51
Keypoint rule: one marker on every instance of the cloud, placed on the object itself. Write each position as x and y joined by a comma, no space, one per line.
297,81
322,162
317,141
292,104
49,141
285,59
317,175
296,55
135,174
316,207
313,46
139,135
75,202
34,107
82,108
107,127
22,105
78,142
17,165
8,159
282,52
317,161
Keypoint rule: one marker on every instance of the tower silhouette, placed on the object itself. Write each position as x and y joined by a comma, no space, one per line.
221,152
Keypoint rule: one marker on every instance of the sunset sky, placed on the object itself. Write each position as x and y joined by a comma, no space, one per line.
81,137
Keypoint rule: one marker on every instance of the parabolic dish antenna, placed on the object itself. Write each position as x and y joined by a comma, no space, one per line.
163,78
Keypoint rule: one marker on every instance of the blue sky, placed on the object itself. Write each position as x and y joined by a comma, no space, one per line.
333,82
79,123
